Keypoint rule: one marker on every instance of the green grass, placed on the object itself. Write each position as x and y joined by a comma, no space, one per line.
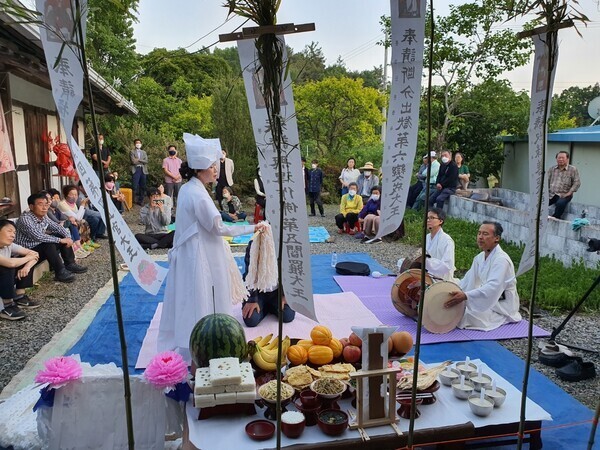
559,287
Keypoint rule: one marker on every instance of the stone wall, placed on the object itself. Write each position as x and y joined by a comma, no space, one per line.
560,242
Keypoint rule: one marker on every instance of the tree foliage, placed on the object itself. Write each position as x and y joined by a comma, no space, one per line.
337,113
572,104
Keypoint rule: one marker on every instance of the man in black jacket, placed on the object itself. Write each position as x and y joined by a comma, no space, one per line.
447,180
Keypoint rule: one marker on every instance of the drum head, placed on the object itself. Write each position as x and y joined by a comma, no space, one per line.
436,318
411,263
406,291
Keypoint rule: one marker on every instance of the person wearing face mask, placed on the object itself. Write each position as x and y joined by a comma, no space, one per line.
201,275
139,170
231,207
171,165
118,199
369,216
366,181
348,175
260,197
446,181
350,205
75,221
315,184
103,154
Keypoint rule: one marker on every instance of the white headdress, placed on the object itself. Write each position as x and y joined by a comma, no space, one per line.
201,153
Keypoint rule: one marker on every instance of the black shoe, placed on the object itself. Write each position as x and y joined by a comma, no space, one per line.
100,236
64,276
76,268
26,303
12,312
312,215
322,215
554,359
577,370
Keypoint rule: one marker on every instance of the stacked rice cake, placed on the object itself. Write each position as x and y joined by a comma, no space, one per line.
224,382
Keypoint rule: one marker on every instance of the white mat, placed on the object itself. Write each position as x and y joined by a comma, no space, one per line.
337,311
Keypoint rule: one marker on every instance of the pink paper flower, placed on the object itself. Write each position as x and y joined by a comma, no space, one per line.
166,370
59,371
147,273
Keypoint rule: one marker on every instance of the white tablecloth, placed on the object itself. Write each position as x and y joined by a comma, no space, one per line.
229,431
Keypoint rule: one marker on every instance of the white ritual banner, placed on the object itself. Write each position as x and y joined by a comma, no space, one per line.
66,78
297,278
7,163
408,39
537,140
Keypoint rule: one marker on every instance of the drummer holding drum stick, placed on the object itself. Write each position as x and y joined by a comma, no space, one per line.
489,288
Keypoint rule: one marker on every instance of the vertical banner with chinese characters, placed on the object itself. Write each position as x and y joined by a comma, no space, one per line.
66,77
542,80
7,162
408,36
297,278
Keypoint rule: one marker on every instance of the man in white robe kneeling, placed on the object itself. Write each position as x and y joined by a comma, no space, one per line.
440,247
490,285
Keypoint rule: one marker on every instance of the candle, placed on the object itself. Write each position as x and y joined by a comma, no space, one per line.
462,381
494,386
479,371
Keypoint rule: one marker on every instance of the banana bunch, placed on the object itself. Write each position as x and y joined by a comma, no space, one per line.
265,354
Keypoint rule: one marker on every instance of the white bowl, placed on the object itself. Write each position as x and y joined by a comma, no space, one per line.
462,393
498,397
328,396
448,376
466,370
481,407
485,381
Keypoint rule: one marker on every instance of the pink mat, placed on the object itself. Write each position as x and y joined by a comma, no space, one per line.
337,311
375,293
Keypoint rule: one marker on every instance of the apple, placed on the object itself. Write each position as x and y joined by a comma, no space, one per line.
352,353
344,342
355,340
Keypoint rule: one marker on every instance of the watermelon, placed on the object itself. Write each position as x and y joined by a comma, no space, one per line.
217,336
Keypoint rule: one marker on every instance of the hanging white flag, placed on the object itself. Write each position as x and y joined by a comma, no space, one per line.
542,78
7,163
66,77
297,279
408,39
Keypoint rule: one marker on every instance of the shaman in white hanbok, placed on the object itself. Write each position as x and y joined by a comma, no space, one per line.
491,289
198,281
440,248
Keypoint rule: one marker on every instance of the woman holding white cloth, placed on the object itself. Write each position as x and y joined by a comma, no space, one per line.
198,282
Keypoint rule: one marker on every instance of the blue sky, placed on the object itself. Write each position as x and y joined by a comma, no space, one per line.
348,28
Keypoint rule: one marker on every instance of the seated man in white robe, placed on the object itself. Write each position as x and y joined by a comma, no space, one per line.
439,246
490,285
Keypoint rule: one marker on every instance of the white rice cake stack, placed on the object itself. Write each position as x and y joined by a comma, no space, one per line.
226,398
205,401
202,384
246,397
224,371
248,383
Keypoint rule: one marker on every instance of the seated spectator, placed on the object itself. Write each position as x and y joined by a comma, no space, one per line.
260,304
446,182
118,198
79,240
16,274
366,180
155,216
435,167
463,171
168,201
261,197
350,205
91,215
75,219
231,207
35,231
369,215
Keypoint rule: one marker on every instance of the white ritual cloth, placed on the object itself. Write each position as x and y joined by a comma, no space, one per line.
485,283
197,267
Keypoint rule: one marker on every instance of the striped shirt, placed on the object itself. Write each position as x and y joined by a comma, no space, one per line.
32,231
561,181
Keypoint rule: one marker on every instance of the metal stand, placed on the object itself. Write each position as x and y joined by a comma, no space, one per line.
571,314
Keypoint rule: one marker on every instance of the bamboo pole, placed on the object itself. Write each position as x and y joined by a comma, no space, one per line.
594,427
413,409
111,241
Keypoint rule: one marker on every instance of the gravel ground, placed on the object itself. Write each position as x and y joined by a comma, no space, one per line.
61,302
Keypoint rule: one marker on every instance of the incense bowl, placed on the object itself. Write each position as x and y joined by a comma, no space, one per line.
463,392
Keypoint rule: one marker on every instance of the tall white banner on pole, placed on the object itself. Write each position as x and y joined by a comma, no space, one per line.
542,79
297,278
66,77
408,40
7,162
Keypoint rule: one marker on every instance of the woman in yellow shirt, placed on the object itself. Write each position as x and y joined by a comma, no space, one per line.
350,206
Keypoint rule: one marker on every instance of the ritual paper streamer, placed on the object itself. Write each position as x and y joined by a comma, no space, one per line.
542,78
297,280
408,36
66,78
7,162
